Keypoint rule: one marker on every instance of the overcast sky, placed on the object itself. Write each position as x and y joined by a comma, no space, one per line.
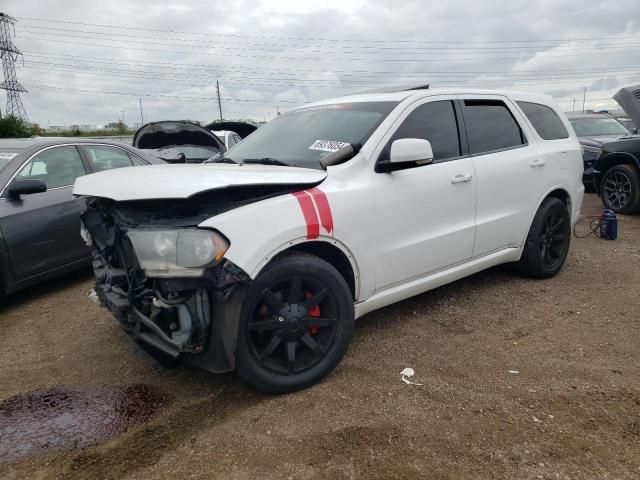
88,62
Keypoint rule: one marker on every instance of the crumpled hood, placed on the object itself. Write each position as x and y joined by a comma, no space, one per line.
184,181
598,141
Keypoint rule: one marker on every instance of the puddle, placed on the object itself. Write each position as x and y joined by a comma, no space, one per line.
67,418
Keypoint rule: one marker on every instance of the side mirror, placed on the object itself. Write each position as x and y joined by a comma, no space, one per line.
26,187
411,150
406,152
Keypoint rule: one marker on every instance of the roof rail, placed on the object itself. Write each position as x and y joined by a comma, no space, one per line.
397,88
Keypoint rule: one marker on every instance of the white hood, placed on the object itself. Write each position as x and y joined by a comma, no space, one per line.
183,181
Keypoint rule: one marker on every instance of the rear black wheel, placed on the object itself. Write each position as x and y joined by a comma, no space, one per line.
296,324
620,189
547,243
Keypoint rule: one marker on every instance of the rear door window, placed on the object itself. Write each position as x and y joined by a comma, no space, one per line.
103,157
433,121
545,121
491,126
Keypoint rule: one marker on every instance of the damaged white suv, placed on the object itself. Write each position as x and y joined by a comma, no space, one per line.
261,260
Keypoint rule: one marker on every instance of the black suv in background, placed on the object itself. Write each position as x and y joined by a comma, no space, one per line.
611,154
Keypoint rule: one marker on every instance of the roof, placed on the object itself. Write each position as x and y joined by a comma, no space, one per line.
22,143
397,94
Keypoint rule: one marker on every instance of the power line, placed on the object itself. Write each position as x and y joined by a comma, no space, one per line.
319,83
321,39
315,59
348,73
159,95
360,48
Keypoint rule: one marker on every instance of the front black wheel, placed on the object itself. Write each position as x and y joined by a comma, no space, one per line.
296,324
620,189
547,244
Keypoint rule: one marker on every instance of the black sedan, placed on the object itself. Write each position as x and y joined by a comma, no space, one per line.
39,217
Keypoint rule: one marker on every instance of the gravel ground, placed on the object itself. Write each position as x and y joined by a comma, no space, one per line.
572,411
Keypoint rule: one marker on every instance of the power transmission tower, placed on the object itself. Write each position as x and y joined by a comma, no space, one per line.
9,54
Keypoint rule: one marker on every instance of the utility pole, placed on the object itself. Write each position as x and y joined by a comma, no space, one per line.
219,101
584,99
122,116
9,53
141,117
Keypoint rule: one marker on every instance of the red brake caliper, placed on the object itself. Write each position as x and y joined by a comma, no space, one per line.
314,312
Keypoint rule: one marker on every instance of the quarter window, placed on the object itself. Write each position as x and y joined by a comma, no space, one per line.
491,126
434,121
56,167
545,121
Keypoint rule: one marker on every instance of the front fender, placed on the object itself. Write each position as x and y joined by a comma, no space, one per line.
260,230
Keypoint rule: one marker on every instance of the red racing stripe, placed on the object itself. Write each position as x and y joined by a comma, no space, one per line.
326,219
309,213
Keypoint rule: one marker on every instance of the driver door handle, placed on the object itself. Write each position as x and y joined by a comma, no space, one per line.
537,163
461,177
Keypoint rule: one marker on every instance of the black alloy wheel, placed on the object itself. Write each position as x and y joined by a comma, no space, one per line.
616,190
554,239
295,325
292,325
547,244
620,189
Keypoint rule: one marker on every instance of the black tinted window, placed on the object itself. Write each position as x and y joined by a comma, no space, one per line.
490,126
436,122
544,120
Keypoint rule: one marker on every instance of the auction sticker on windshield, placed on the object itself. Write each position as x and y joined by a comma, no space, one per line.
327,145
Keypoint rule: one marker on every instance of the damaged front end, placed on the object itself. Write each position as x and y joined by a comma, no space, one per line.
165,280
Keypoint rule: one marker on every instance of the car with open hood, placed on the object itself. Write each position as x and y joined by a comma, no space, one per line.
178,141
594,130
612,153
230,132
260,260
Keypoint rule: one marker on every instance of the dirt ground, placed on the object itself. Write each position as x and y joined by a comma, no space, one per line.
571,411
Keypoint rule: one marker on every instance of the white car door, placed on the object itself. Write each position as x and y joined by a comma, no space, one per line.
509,170
425,215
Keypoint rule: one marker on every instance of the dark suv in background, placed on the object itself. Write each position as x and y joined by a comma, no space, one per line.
594,130
611,153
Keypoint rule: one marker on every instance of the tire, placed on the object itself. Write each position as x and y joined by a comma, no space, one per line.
620,189
547,244
282,320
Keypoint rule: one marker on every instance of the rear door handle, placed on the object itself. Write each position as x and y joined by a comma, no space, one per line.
537,163
460,178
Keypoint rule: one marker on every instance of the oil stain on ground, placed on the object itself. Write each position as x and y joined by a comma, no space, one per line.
68,418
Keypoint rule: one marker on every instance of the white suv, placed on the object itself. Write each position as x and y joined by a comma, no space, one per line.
261,261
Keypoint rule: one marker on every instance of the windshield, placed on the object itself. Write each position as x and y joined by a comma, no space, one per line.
6,154
592,127
305,136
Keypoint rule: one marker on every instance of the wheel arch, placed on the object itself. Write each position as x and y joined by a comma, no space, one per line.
609,160
331,251
559,192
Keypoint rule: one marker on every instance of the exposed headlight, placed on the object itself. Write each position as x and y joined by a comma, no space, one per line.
591,152
177,253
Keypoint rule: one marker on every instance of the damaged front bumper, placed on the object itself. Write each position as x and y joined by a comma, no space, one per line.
187,318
